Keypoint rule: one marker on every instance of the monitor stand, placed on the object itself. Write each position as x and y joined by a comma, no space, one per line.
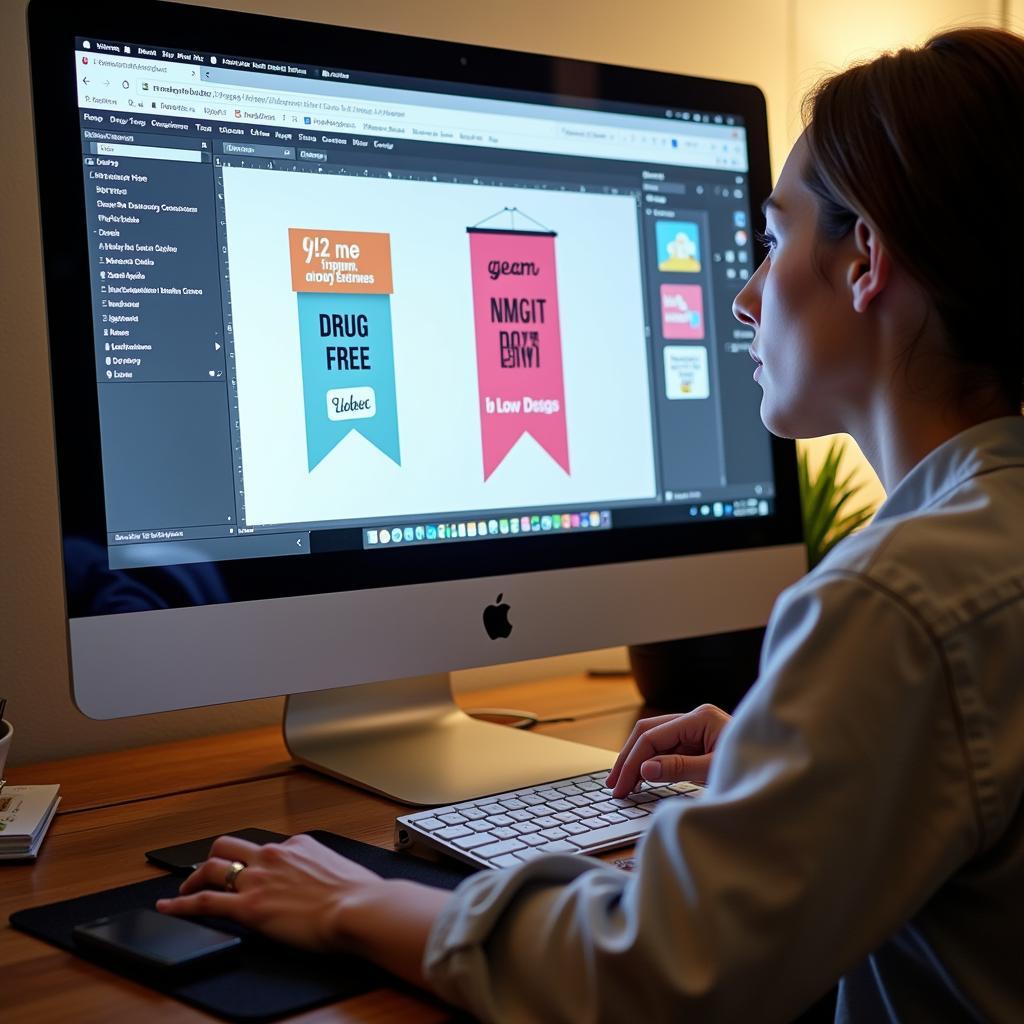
408,740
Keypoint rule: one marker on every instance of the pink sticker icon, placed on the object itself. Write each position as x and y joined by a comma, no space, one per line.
682,311
518,343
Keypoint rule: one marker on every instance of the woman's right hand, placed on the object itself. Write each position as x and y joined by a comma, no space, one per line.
669,748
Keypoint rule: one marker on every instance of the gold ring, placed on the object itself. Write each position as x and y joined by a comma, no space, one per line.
237,867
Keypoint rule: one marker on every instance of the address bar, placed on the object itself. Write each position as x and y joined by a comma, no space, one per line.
267,98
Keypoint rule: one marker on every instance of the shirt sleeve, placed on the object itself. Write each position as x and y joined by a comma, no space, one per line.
838,802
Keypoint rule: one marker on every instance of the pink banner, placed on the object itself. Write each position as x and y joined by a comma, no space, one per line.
518,343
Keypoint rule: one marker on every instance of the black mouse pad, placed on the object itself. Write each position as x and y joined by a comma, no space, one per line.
268,980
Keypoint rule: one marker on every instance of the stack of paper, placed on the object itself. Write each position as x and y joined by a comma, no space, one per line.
25,815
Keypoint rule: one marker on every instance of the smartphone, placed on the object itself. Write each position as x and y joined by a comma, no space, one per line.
157,941
184,858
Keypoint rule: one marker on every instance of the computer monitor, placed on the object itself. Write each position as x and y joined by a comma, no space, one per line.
376,357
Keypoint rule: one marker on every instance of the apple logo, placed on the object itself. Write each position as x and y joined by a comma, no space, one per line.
496,620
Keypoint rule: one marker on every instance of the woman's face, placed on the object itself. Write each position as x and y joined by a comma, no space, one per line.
816,359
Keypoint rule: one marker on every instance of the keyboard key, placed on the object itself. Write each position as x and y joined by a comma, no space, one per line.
614,816
568,790
528,854
635,812
472,813
497,849
559,805
472,842
479,826
559,847
490,809
643,797
605,805
553,833
565,816
507,861
500,819
503,833
521,815
626,831
546,822
534,840
527,828
453,832
532,799
580,801
589,785
512,805
674,793
429,824
547,795
452,819
573,828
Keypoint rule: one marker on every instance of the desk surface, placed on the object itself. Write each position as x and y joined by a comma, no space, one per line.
116,806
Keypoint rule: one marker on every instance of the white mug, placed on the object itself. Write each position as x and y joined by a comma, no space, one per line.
6,735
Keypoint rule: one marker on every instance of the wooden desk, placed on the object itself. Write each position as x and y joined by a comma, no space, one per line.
116,806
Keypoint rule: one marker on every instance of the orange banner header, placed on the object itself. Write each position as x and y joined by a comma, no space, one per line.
340,262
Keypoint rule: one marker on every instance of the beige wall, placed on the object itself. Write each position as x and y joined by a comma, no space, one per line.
781,45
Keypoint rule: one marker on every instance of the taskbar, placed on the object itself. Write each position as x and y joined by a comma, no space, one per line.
136,549
435,531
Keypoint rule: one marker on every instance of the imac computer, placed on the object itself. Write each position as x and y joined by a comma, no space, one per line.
376,357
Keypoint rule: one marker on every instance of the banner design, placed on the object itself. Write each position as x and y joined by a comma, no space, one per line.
342,280
518,342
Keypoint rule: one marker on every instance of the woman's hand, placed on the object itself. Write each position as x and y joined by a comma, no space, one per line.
302,893
669,748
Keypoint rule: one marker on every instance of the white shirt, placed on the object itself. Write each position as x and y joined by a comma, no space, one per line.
863,818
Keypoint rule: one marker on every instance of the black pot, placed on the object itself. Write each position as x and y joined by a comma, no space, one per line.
677,675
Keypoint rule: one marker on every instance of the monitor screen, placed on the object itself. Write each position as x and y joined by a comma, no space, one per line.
343,310
376,357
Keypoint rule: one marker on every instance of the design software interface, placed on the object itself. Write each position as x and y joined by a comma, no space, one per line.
340,310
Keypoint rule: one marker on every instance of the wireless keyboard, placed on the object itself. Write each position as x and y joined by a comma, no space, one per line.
576,815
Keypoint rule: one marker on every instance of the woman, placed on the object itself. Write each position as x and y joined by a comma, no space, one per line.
864,815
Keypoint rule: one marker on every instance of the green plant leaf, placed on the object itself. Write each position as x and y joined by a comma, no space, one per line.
824,499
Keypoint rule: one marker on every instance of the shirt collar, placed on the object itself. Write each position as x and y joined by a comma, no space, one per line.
983,447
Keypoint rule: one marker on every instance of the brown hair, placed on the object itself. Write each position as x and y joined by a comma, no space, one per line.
928,145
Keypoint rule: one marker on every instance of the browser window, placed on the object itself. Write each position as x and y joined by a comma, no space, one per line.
334,311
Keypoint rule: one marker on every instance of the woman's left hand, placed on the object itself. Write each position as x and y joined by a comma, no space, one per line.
306,895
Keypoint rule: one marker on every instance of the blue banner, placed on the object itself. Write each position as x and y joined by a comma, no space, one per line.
348,372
